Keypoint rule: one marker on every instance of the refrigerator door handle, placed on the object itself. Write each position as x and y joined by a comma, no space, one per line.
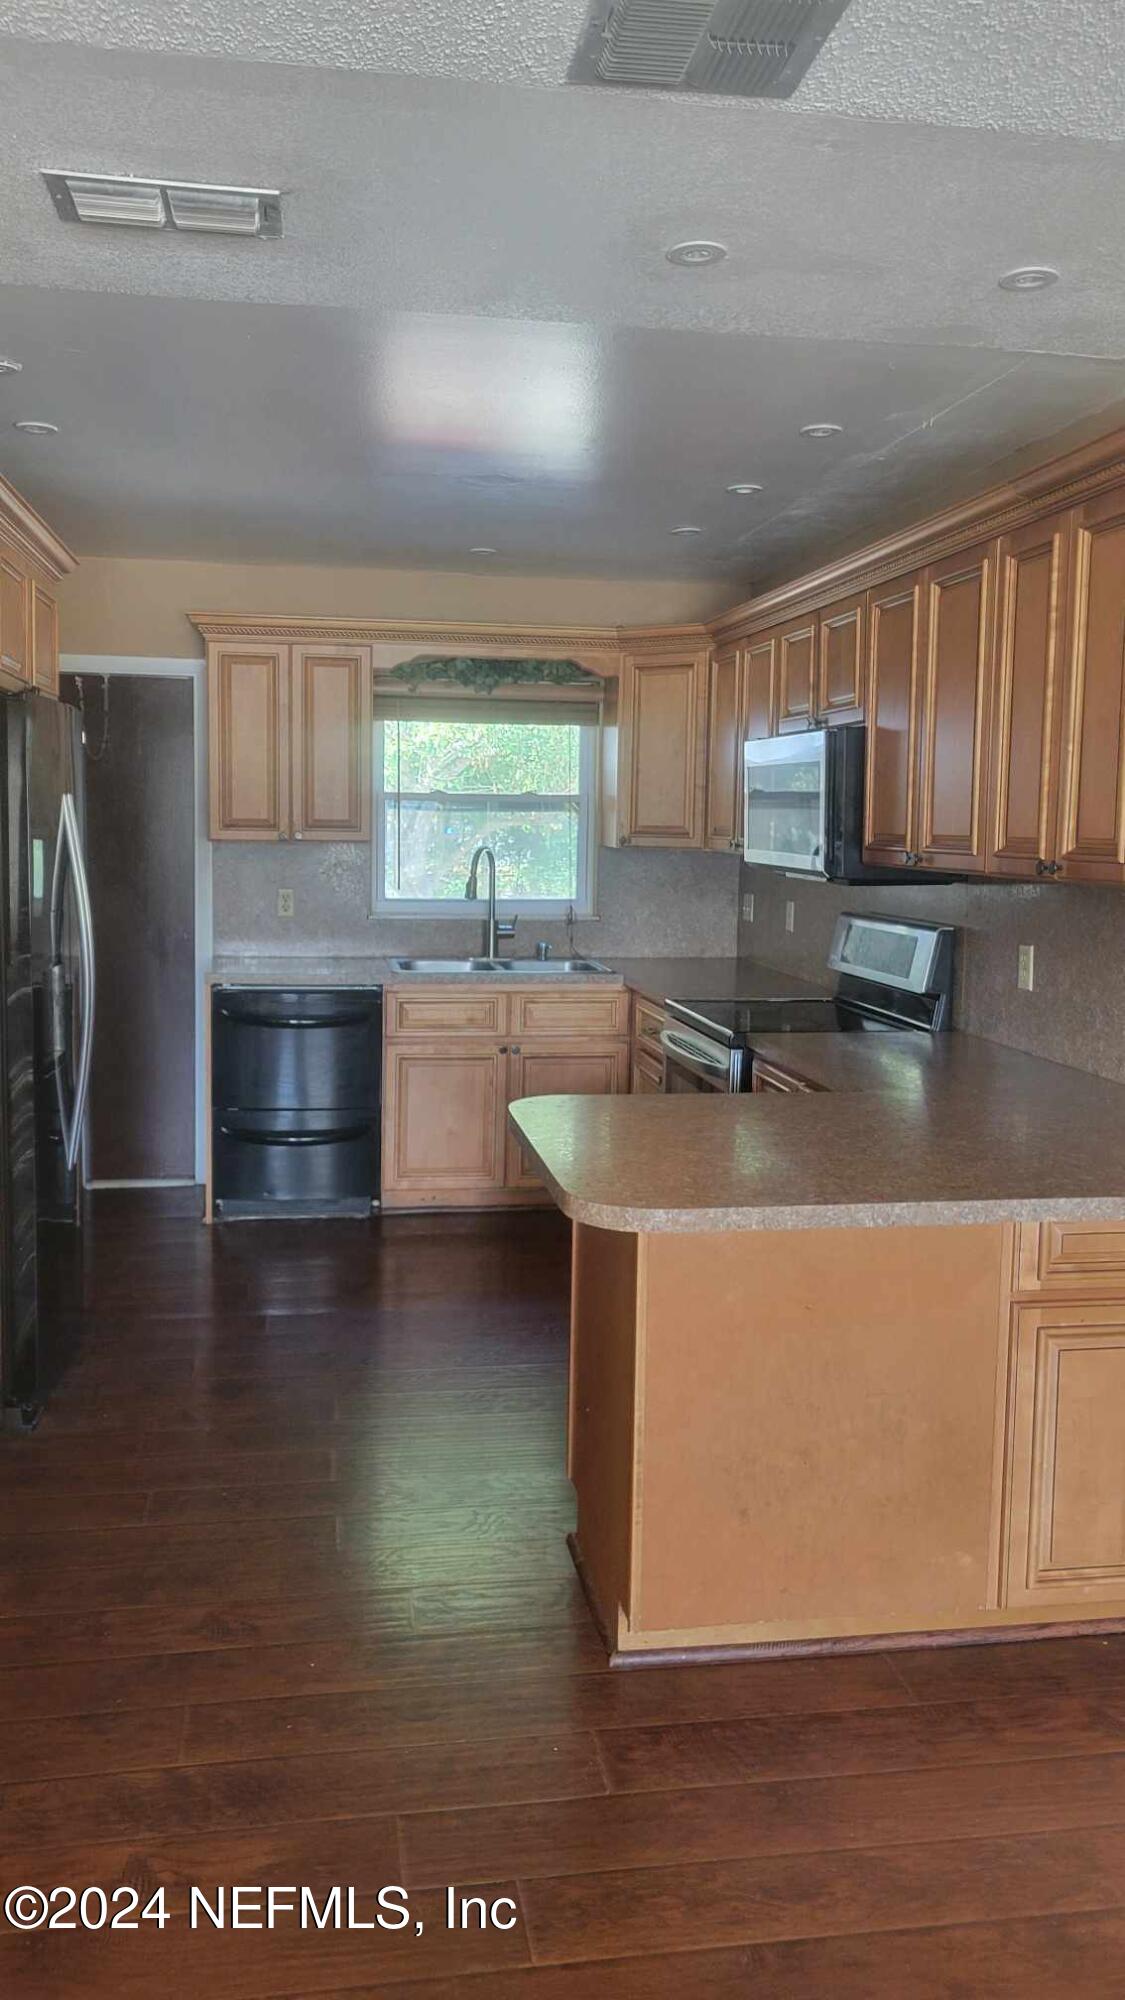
70,839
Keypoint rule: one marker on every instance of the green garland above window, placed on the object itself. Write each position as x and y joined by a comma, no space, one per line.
485,676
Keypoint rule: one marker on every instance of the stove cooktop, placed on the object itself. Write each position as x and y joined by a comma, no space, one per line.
735,1022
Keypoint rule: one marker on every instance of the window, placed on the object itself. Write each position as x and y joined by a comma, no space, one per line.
520,779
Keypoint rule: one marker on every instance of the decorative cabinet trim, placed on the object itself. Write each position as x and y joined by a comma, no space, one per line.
25,532
289,630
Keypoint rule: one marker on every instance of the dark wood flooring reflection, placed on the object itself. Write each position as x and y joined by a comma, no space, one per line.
286,1600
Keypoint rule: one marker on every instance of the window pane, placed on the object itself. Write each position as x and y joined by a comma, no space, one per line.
481,757
429,845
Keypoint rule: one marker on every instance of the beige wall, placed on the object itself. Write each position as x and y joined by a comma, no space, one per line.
118,606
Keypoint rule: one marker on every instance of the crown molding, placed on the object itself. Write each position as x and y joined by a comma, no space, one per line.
25,531
1059,482
561,640
635,639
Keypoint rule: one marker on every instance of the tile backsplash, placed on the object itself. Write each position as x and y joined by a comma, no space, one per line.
1076,1013
650,901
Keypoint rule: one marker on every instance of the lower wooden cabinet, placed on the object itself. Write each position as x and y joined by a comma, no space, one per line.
446,1141
767,1076
1066,1446
646,1076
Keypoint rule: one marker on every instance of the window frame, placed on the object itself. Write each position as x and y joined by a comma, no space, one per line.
452,909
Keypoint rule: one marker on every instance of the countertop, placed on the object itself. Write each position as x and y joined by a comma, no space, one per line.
655,978
916,1130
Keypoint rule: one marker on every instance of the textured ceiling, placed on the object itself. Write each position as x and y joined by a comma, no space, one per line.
469,332
1017,65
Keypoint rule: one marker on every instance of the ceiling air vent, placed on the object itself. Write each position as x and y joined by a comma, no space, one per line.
734,48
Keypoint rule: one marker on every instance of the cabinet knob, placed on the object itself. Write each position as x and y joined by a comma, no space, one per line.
515,1048
503,1048
298,835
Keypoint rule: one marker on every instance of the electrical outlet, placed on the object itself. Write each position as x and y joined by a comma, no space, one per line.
790,915
748,907
285,902
1025,975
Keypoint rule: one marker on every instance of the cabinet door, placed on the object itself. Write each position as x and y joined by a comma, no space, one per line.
767,1076
724,750
796,669
953,709
44,640
648,1075
561,1069
15,638
841,660
1082,1259
759,689
443,1119
1066,1449
1091,839
663,707
893,624
331,723
1031,584
248,701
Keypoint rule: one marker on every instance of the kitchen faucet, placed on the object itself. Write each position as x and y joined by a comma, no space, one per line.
493,930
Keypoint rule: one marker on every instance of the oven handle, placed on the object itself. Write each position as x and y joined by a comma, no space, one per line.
691,1054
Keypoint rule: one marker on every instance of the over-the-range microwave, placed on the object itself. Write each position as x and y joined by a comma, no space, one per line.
803,805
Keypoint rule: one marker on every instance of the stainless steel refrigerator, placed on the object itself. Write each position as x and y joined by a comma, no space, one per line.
47,989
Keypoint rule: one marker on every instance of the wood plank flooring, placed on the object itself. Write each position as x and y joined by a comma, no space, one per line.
285,1600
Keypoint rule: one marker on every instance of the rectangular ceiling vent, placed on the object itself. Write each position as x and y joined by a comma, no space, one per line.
732,48
127,203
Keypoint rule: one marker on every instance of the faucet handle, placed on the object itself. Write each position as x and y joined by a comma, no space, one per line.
506,927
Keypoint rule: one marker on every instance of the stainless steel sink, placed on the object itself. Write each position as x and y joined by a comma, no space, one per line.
444,964
550,966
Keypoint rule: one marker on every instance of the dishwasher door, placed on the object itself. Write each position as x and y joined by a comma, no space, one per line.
284,1049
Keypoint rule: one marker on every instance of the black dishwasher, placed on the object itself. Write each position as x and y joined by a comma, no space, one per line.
295,1086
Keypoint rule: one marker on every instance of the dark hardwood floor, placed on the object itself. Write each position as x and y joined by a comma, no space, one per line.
286,1600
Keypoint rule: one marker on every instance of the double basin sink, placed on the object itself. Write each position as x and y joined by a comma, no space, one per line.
550,966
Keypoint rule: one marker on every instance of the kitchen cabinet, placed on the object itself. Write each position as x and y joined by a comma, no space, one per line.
647,1076
1027,697
1066,1447
1091,834
290,741
759,684
722,828
841,660
560,1069
15,635
769,1076
456,1058
796,669
661,743
1079,1259
44,618
647,1049
894,627
953,700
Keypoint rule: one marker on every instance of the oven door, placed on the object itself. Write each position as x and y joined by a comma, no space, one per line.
693,1063
785,802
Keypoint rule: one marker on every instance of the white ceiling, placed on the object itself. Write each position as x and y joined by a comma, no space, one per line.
1017,65
469,332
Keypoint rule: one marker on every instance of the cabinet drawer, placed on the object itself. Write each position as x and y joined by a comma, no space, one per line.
767,1076
648,1074
585,1010
1074,1257
446,1011
648,1023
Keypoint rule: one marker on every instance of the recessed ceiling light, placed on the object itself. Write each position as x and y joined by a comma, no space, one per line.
1028,278
821,430
179,205
481,550
685,529
696,253
9,367
34,428
744,486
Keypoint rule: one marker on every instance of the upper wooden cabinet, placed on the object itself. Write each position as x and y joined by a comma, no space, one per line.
1091,833
290,741
894,624
44,639
796,673
841,660
724,749
1027,697
15,623
952,712
759,687
660,779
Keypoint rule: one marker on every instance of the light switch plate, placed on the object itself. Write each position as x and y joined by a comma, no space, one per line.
285,902
1025,974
